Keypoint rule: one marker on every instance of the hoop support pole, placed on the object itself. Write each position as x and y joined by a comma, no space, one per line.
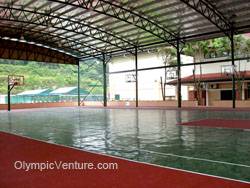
10,87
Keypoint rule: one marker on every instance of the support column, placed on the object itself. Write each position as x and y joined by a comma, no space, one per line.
233,64
78,84
10,87
136,77
104,65
8,97
243,91
207,94
178,74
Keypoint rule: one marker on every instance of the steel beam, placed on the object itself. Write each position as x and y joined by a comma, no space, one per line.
122,13
233,66
78,84
104,65
182,65
136,77
153,44
178,74
62,23
210,12
8,89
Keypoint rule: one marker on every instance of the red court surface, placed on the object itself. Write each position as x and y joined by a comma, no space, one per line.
223,123
129,174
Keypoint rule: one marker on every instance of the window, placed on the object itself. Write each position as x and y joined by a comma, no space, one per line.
226,95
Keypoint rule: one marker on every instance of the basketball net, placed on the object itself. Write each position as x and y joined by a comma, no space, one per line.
14,80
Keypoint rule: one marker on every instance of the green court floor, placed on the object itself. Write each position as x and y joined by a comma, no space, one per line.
146,135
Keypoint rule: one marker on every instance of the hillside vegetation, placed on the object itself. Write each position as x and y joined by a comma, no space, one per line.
46,75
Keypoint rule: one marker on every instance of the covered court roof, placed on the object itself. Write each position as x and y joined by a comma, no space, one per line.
89,28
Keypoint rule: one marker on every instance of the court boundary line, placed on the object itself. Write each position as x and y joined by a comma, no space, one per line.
102,154
186,157
209,127
201,109
189,124
239,109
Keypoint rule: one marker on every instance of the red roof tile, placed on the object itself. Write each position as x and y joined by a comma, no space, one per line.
212,77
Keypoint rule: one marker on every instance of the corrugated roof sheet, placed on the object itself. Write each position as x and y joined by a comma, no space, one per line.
33,92
63,90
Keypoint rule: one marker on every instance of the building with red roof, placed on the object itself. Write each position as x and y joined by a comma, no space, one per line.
213,87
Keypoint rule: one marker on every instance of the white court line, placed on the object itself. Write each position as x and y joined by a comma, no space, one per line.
182,156
124,159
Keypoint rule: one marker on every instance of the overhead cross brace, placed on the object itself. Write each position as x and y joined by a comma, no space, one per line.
118,11
211,13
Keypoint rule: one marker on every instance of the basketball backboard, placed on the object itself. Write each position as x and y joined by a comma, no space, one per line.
228,70
171,73
16,80
130,78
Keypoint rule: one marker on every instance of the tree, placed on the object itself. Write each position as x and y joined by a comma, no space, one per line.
198,50
168,56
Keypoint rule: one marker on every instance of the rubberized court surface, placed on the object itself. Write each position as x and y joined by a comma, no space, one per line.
150,136
130,173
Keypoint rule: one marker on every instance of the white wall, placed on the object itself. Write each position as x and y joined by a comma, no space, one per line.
148,81
216,67
2,99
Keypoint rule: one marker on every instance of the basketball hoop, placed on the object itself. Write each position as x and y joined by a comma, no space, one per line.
228,70
14,80
227,74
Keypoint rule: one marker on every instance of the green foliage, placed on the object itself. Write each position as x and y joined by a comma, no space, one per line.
197,49
168,55
219,47
46,75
